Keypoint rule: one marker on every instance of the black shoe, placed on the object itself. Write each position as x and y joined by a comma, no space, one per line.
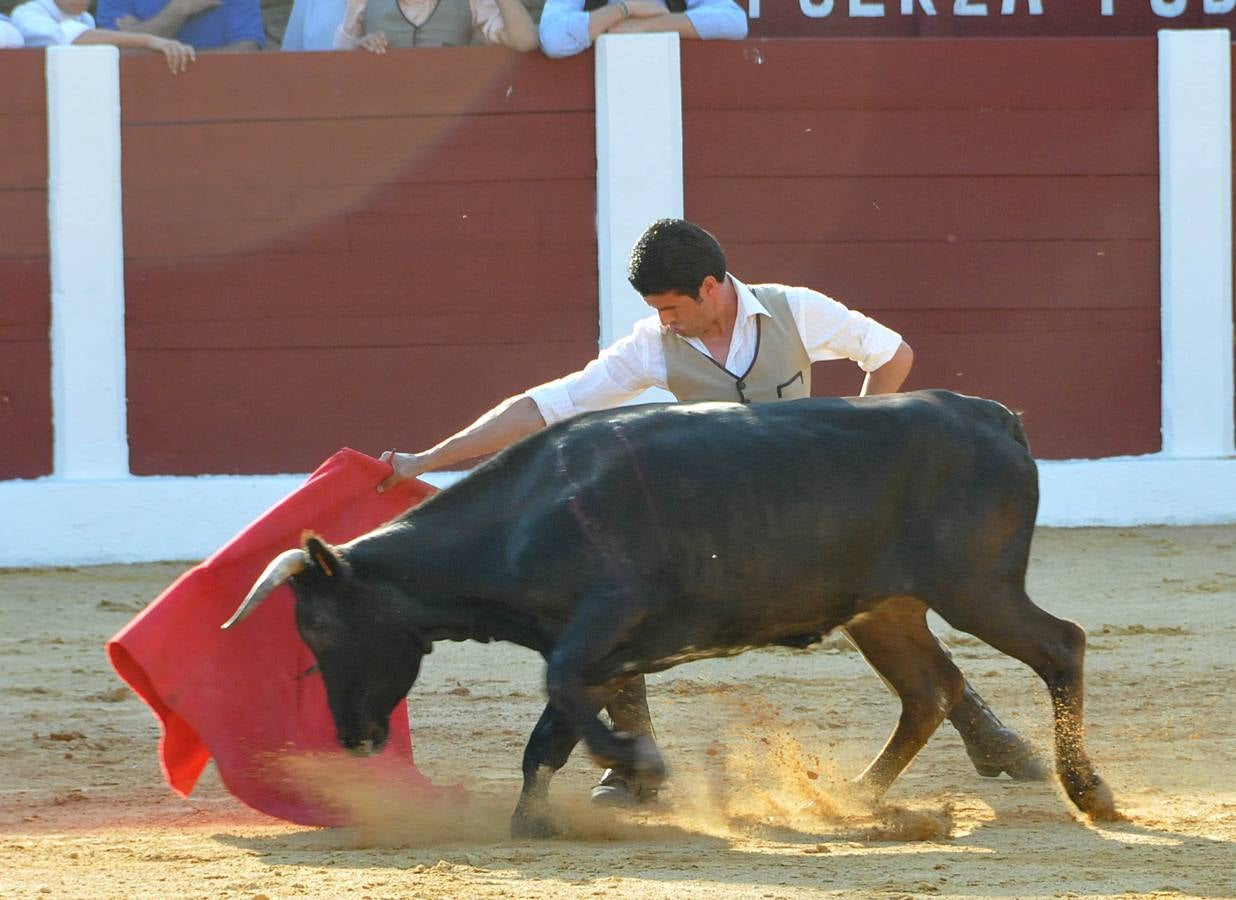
614,790
1004,750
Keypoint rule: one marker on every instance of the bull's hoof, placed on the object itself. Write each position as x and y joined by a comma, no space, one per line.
1095,800
648,767
1004,750
527,827
614,790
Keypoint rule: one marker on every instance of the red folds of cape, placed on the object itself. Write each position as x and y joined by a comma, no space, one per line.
239,695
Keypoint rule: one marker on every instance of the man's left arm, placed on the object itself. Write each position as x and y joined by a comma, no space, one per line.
709,20
889,378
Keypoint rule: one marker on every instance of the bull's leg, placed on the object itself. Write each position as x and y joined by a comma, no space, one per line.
895,640
992,746
628,712
548,749
1009,621
570,679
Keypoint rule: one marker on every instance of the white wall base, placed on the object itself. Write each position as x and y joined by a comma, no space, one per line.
52,522
1142,490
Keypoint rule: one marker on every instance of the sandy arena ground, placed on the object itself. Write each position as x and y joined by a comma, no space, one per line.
84,811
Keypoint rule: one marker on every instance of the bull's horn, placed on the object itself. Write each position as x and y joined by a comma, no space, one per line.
281,568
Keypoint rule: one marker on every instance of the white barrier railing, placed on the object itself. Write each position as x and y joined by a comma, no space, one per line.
92,510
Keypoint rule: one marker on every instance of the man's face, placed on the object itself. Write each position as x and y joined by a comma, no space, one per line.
685,315
680,313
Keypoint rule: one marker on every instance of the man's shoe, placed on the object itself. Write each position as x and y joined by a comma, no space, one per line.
1004,750
614,790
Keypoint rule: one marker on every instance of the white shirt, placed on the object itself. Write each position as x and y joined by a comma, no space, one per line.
44,24
9,35
312,24
829,330
564,24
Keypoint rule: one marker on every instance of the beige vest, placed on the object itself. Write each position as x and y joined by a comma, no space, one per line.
781,369
449,25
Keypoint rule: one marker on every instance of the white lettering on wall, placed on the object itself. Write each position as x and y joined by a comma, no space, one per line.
867,9
814,10
1168,9
907,7
1218,7
1109,7
1008,7
969,8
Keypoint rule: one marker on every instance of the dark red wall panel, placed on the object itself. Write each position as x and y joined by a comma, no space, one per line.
25,309
995,201
368,251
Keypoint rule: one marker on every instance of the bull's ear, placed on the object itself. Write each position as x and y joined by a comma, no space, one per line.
321,555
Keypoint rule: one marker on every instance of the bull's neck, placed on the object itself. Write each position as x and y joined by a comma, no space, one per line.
452,580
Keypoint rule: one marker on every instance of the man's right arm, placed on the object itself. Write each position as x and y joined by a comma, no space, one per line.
623,370
510,420
167,22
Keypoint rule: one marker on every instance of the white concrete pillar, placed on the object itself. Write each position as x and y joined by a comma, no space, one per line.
1195,202
86,243
639,160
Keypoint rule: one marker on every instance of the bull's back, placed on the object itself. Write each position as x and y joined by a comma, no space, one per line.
764,518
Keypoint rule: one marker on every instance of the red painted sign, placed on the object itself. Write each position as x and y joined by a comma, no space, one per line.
957,18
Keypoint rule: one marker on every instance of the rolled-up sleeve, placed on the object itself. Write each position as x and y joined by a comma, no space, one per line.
622,371
39,29
9,35
831,330
717,20
111,10
564,28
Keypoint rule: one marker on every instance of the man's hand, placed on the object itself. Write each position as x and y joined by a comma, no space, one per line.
406,466
178,55
374,43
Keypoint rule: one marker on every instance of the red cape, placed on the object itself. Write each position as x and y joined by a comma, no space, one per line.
238,695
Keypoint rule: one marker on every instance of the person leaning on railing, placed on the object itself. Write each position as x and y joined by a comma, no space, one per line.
52,23
216,25
9,35
375,25
570,26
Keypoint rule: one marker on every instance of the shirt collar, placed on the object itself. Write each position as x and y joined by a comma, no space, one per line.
748,304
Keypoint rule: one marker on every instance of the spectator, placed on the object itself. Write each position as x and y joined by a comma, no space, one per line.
378,24
228,25
50,23
570,26
313,24
9,35
275,15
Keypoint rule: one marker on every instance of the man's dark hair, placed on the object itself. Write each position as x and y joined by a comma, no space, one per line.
674,255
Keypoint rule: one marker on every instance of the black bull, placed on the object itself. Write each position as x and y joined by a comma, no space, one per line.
631,540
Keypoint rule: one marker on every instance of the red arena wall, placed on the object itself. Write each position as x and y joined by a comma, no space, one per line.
341,249
25,306
995,201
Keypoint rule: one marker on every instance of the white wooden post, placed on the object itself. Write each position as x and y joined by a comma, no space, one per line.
1195,198
86,243
639,160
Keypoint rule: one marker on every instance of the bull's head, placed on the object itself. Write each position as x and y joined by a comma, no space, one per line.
368,653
